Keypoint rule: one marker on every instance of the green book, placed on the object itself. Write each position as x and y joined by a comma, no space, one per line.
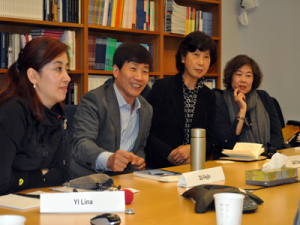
112,49
107,54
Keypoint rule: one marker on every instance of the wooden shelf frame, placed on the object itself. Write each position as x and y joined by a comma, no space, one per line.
165,44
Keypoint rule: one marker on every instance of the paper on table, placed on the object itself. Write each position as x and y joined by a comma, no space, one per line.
69,189
246,150
18,202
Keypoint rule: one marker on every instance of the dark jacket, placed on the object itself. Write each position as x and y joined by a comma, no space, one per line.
225,130
167,128
28,145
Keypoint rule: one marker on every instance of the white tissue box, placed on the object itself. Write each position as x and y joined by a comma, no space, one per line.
271,177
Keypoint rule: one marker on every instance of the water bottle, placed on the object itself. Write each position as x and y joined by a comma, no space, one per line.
198,149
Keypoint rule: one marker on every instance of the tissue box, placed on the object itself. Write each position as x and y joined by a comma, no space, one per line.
271,177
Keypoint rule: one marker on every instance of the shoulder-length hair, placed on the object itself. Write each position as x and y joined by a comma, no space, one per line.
36,54
237,62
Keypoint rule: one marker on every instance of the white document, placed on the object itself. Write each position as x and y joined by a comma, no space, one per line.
83,202
204,176
18,202
69,189
293,161
245,150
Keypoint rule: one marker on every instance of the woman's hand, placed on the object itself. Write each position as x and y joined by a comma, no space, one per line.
180,155
240,98
44,171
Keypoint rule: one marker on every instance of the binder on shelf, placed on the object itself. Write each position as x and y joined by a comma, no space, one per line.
207,23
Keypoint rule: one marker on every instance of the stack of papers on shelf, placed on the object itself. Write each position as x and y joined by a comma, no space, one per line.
178,19
160,175
244,150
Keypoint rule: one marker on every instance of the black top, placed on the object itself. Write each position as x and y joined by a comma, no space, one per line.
167,128
225,130
29,145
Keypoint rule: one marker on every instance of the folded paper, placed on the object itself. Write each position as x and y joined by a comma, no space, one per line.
201,177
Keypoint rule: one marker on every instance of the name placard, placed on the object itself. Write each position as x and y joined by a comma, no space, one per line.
83,202
293,161
204,176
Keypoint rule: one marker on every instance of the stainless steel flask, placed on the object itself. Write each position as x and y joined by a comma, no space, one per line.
198,149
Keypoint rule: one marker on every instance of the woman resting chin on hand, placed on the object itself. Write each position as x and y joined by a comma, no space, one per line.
245,114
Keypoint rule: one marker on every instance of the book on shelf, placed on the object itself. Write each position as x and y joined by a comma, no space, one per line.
47,10
151,81
59,11
101,12
125,14
133,22
54,13
100,52
72,94
146,15
131,14
109,12
207,23
10,59
158,174
210,82
139,15
2,50
114,13
105,12
68,38
184,19
95,81
47,15
152,16
91,11
96,12
177,18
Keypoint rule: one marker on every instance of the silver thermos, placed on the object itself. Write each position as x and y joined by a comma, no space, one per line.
198,149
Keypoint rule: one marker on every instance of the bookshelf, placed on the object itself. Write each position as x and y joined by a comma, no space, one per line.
165,44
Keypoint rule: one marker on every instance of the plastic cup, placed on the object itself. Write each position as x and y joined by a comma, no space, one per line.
229,208
12,220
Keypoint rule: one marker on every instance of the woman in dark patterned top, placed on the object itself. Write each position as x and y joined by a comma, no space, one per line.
182,102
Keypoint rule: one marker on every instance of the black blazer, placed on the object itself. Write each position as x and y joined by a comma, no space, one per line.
167,128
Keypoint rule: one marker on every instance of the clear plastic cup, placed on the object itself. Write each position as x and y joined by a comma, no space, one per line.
229,208
12,220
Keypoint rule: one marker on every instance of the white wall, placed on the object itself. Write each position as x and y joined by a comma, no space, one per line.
272,39
230,31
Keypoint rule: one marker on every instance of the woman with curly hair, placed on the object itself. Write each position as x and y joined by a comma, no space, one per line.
245,114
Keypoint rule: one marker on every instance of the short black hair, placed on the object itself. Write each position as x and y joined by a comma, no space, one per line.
237,62
131,52
192,42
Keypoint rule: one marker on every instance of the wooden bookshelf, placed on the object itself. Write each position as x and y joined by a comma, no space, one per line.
165,45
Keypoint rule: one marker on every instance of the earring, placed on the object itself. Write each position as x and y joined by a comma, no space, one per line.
34,86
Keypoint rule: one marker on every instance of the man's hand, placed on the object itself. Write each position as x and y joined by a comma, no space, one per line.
138,164
120,159
180,155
